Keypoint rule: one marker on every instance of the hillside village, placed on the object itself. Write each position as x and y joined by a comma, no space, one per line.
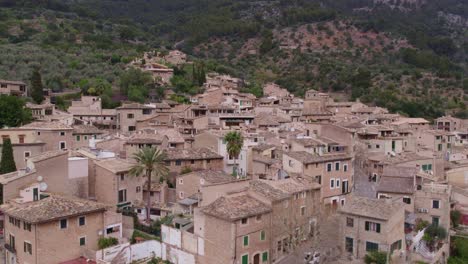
239,179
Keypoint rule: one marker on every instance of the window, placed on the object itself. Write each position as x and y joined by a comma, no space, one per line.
122,196
82,241
27,226
303,210
337,166
318,179
245,259
371,246
63,145
85,137
181,181
407,200
63,223
265,256
12,241
122,176
81,221
192,161
27,154
439,147
181,195
371,226
435,221
178,162
138,189
244,221
337,183
258,218
345,167
131,128
62,133
329,167
435,204
349,222
21,139
245,241
27,248
290,163
78,138
349,244
38,133
130,116
262,235
332,183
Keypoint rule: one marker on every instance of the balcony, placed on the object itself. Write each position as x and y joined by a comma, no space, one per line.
10,248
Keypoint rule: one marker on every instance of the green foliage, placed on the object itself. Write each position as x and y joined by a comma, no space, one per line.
37,92
105,242
150,163
421,224
375,257
186,170
13,112
267,42
254,89
158,261
458,250
7,163
455,217
135,79
434,234
234,141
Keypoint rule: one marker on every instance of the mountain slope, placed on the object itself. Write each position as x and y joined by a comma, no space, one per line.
401,54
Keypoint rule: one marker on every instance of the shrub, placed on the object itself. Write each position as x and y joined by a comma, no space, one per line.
455,217
376,257
186,170
105,242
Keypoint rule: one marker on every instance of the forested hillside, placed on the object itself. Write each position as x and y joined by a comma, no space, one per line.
407,55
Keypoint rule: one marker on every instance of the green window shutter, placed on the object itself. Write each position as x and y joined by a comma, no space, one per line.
262,235
429,166
245,259
265,256
77,138
378,228
246,240
424,167
367,226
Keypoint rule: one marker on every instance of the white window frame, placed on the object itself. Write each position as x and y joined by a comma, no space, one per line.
181,181
79,217
339,166
331,167
24,154
345,167
181,195
64,143
27,242
79,241
60,225
337,183
332,183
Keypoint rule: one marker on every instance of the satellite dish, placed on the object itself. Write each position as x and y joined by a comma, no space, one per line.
39,178
43,186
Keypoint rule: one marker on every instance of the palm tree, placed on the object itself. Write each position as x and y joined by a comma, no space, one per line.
151,162
234,142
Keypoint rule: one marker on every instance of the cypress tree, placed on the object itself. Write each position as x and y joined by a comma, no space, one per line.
7,164
37,92
201,75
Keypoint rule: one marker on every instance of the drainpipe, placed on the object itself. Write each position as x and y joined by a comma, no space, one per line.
35,242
